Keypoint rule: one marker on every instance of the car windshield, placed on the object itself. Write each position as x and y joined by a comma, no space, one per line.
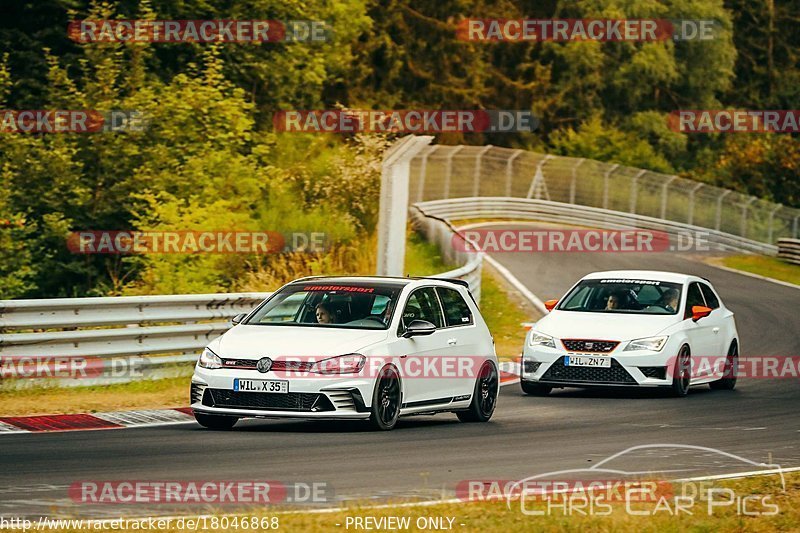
330,304
644,297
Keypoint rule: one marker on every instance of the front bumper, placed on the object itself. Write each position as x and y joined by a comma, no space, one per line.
628,369
308,397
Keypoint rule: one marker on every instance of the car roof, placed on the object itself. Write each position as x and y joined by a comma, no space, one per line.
650,275
392,280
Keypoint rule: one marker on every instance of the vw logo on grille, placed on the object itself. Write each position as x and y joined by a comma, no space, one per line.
264,364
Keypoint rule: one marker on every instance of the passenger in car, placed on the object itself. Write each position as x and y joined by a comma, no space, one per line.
323,314
669,300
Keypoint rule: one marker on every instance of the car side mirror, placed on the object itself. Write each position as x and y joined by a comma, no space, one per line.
419,327
238,318
550,304
700,311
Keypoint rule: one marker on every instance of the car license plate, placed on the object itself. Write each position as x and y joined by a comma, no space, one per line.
261,385
582,360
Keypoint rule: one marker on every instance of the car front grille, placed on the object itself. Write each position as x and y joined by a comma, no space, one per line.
589,345
258,401
615,375
658,372
284,366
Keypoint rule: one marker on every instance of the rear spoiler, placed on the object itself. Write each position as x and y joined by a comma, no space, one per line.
456,281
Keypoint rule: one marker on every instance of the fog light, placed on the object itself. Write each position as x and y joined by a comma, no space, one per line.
531,366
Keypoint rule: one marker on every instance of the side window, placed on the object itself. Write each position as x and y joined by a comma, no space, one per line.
711,299
693,297
456,310
422,305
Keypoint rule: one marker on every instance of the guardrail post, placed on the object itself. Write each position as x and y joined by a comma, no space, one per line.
771,220
423,171
476,183
448,170
510,170
574,181
664,192
606,176
635,191
721,197
393,210
745,207
795,226
690,217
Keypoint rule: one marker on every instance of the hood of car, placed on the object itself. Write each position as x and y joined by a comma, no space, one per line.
254,342
603,326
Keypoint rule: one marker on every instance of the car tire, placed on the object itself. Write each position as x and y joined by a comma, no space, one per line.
386,400
535,389
731,365
215,422
682,373
484,395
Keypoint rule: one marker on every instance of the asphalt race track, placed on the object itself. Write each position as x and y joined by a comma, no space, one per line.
425,457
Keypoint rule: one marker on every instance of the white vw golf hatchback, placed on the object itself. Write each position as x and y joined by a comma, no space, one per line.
351,348
633,328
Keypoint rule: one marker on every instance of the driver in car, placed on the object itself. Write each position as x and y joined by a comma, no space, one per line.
614,301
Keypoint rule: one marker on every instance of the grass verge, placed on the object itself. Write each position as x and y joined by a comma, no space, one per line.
145,394
763,265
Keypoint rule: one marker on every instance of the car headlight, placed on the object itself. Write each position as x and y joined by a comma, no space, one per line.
209,359
540,339
650,343
351,363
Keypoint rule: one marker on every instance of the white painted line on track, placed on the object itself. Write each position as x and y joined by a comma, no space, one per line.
517,284
751,275
507,275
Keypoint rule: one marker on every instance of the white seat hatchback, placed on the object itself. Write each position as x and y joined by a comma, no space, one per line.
368,348
633,328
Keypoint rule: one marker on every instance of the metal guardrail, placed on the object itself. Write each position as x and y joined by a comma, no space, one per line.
789,250
108,311
547,211
443,172
157,331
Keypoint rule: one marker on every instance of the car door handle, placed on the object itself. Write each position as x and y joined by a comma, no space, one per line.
715,330
452,341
